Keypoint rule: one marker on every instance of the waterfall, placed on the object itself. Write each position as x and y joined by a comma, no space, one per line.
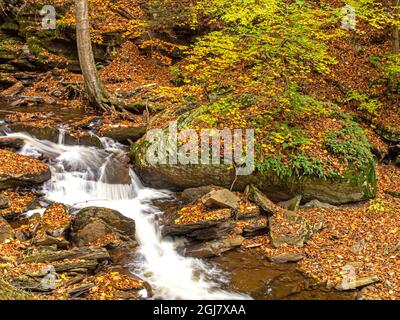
87,176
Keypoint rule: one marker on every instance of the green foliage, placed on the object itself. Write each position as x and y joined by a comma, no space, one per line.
258,42
287,137
300,165
299,105
220,107
365,103
391,67
350,145
373,12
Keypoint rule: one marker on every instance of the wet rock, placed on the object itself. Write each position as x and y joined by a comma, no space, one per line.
261,200
286,257
221,198
3,201
86,139
13,143
6,232
124,253
292,204
48,133
192,194
358,283
124,134
84,253
94,223
318,204
18,170
202,231
52,133
117,171
214,248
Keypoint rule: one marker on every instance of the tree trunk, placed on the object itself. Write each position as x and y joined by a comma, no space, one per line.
396,37
97,95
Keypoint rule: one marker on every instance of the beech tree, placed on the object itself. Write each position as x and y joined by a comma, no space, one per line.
97,95
396,37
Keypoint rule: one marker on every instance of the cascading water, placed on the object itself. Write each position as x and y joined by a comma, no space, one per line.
86,176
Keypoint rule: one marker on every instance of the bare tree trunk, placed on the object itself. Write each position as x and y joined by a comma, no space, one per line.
97,95
396,37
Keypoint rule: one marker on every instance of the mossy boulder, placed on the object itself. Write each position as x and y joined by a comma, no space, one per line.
355,186
355,183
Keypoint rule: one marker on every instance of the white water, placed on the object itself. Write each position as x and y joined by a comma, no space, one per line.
86,176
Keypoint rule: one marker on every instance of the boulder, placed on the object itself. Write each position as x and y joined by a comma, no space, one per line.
94,223
318,204
52,133
214,248
13,143
193,194
286,257
354,185
201,231
124,134
291,204
124,253
261,200
47,132
84,139
18,170
358,283
221,198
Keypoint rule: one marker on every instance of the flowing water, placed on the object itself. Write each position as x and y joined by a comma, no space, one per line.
86,176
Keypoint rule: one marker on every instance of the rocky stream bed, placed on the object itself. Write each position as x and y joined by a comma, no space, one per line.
57,241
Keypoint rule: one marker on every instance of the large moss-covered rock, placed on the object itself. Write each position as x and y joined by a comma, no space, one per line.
355,185
347,145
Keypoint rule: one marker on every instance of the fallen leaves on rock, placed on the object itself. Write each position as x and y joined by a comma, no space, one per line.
16,164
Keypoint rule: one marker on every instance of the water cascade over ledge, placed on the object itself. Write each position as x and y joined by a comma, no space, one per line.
87,176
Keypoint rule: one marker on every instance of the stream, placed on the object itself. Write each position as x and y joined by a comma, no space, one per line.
85,176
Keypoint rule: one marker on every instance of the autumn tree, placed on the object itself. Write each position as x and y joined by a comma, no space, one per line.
396,38
97,95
